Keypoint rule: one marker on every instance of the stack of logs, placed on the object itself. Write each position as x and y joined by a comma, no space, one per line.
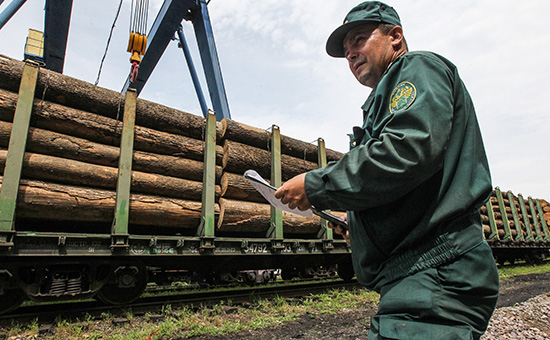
546,209
498,215
71,160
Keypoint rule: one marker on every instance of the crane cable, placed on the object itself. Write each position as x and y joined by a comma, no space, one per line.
108,42
138,38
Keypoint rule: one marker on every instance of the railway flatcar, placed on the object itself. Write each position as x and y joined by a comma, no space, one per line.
516,228
102,193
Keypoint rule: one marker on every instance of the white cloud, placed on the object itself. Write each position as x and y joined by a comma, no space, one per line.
276,71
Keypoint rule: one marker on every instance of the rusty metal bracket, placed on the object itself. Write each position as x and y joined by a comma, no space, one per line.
525,215
119,233
276,226
543,224
206,229
325,232
507,232
517,223
277,245
492,221
536,223
328,244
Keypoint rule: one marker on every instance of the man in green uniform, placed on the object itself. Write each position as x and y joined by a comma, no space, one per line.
412,183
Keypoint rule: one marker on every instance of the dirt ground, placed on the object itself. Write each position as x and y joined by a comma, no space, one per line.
353,324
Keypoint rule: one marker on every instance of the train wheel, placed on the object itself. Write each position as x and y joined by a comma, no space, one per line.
288,274
533,258
11,299
127,285
306,273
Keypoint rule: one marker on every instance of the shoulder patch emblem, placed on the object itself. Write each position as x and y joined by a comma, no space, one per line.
402,96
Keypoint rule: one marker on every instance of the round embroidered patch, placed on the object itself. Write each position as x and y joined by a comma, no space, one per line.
402,97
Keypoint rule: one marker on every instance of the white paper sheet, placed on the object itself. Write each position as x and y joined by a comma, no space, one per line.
268,192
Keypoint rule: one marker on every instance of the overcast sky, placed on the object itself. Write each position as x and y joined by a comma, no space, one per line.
276,70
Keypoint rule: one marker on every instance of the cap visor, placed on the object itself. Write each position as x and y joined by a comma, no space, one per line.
335,42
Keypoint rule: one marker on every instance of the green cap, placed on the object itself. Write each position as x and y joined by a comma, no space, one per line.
368,11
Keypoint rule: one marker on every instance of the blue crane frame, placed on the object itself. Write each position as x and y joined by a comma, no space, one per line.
57,17
165,26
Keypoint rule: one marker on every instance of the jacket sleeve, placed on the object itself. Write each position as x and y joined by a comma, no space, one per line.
406,147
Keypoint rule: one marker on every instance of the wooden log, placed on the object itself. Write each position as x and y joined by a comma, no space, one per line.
239,157
50,201
66,171
60,145
259,138
236,187
498,216
487,231
484,219
58,118
501,232
78,94
500,223
496,209
494,200
239,216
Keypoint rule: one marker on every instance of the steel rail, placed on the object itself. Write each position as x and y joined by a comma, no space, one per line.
48,312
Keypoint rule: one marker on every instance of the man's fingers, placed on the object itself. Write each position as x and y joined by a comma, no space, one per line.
337,229
303,207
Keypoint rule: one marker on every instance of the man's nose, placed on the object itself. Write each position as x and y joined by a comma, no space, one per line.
351,55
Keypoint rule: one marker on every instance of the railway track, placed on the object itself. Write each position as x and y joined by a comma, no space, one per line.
45,313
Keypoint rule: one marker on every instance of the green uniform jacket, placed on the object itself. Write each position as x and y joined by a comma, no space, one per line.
416,174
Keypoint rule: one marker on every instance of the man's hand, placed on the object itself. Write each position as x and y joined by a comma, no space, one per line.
293,193
339,230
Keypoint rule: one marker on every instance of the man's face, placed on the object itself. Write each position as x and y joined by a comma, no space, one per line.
368,52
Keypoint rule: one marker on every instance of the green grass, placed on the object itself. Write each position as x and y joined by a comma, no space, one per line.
220,319
508,272
217,320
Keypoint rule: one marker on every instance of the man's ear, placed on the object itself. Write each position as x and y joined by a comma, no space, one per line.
396,36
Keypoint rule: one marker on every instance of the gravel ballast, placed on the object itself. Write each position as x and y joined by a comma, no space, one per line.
527,320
